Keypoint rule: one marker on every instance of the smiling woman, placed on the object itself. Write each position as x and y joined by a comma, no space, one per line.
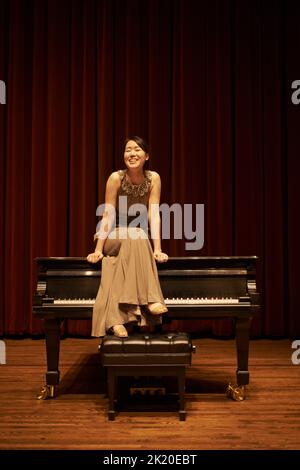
129,289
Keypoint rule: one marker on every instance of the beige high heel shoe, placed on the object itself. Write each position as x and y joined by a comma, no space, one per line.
120,331
157,308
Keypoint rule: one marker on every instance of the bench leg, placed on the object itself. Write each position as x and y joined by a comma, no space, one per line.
111,393
181,391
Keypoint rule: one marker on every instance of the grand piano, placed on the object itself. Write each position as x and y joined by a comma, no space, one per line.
193,288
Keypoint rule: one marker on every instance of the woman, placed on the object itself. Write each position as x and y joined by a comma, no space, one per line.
129,289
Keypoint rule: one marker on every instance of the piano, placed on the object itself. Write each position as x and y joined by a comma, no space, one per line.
193,288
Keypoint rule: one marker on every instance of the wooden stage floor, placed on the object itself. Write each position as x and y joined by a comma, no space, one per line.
77,418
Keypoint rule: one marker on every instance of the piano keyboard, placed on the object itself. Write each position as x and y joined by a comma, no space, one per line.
168,302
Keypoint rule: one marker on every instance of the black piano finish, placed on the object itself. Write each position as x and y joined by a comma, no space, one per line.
217,277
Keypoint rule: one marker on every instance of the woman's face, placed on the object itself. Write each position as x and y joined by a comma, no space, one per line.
134,156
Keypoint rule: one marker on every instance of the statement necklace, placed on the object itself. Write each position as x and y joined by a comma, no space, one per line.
136,189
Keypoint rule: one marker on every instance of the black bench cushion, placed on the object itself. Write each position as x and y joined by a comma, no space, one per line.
144,349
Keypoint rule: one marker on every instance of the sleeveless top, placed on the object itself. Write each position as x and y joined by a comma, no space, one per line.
133,194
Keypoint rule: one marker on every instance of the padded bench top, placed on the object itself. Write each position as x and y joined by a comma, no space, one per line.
147,349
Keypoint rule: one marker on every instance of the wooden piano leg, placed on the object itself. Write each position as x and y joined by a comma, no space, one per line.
52,331
242,328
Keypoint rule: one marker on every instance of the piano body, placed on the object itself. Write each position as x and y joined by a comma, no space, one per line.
193,288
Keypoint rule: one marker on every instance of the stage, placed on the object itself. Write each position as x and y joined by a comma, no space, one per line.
269,418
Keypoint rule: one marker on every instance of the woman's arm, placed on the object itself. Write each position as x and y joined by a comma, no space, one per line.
112,186
154,218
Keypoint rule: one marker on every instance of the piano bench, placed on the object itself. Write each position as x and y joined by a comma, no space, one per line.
146,355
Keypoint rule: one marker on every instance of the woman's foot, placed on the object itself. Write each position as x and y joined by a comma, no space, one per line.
120,331
157,308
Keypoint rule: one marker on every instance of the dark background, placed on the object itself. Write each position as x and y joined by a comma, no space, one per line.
207,83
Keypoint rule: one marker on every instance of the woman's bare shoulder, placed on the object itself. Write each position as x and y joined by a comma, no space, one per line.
155,178
114,179
154,175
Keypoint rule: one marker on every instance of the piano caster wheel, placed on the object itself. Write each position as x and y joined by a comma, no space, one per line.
47,391
236,393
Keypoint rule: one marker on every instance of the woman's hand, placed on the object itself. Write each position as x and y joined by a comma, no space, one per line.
160,256
95,257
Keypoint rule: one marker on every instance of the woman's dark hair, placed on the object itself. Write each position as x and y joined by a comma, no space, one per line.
139,140
141,143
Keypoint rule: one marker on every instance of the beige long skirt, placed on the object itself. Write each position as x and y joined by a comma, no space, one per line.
129,278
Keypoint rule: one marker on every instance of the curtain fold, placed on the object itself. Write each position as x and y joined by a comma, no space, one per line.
208,84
